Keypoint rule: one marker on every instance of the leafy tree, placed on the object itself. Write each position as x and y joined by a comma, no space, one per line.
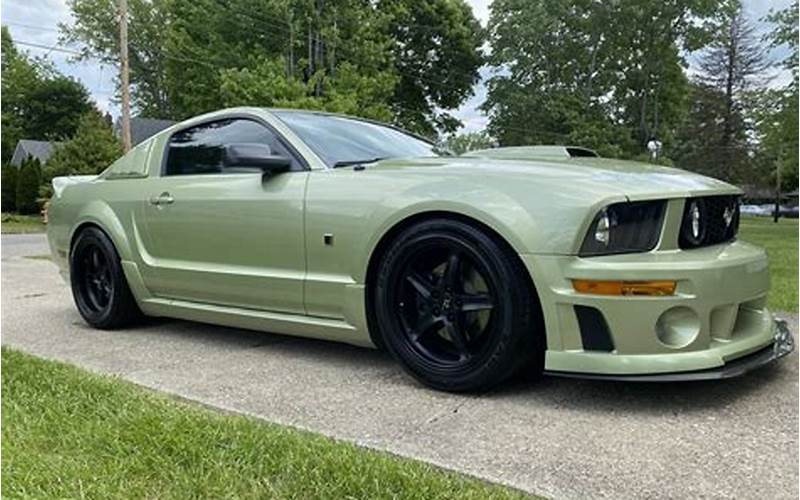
471,141
733,63
30,176
93,148
53,107
404,60
774,111
95,27
785,32
19,75
607,75
38,102
436,48
696,146
8,183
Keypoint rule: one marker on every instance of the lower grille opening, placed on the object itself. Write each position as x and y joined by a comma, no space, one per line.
594,329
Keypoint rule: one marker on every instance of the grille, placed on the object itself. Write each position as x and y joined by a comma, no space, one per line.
709,220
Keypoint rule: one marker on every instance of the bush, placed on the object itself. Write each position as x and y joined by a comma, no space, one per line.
30,175
8,183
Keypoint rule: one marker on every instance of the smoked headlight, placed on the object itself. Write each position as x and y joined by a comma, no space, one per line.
624,228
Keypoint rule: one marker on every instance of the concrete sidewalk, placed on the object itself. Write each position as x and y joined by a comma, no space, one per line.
559,438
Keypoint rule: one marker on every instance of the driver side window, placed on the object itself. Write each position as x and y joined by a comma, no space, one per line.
200,149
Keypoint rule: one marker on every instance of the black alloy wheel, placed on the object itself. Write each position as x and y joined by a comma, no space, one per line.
453,305
99,287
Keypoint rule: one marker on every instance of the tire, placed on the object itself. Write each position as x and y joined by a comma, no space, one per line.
99,287
455,307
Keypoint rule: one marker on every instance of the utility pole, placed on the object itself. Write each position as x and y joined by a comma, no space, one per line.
124,76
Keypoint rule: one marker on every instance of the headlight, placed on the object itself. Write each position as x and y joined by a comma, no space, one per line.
709,220
624,228
693,229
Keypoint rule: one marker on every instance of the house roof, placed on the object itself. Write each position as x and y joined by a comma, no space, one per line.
41,150
143,128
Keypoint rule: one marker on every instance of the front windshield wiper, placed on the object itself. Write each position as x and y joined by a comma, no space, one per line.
350,163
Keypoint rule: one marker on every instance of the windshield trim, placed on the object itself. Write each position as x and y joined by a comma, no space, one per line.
277,112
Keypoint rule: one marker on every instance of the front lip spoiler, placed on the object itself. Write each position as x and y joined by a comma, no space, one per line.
782,345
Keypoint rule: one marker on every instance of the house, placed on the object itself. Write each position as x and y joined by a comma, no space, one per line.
26,148
143,128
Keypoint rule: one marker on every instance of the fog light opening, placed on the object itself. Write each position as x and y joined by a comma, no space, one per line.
678,327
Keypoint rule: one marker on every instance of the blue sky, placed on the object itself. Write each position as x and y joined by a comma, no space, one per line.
35,21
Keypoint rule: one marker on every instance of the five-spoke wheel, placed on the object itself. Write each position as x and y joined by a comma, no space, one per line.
98,282
452,303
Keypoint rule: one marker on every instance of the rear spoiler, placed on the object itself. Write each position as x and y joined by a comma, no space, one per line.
59,183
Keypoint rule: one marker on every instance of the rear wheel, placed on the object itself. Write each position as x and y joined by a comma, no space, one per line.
455,307
99,286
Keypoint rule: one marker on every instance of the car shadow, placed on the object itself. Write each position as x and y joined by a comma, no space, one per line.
584,395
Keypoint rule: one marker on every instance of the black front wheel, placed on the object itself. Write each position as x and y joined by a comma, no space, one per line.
454,306
99,287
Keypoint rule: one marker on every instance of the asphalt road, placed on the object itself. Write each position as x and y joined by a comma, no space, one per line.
560,438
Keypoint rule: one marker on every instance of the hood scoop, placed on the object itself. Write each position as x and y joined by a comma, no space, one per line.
526,152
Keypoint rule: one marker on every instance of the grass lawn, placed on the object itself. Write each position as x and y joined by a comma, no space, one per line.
71,434
14,224
780,240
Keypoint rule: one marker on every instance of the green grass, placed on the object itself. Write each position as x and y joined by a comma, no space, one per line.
780,240
71,434
16,224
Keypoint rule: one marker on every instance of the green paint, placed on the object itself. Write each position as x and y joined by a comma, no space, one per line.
246,251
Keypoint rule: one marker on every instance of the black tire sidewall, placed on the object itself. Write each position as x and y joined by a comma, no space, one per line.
109,317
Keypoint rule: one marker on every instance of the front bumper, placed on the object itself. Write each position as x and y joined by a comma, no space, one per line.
783,345
717,315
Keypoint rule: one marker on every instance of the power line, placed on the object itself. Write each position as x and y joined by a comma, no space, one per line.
55,48
31,27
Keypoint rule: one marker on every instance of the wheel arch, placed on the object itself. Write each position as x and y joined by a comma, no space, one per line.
389,236
101,216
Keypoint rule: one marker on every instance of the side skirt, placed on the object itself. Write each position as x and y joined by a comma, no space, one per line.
249,319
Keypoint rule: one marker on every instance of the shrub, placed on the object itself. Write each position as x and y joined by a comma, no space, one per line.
30,175
8,183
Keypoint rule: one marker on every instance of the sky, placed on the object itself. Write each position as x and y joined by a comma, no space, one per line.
36,22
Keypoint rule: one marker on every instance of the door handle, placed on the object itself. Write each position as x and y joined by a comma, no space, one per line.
163,199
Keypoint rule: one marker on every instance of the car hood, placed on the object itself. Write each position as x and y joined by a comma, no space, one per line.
600,177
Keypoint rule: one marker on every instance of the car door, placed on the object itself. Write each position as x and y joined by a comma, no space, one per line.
225,237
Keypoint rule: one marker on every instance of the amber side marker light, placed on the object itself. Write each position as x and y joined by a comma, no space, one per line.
651,288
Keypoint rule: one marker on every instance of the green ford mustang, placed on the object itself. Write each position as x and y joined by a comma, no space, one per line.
467,269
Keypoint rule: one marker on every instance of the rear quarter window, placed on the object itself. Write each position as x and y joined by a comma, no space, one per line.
133,164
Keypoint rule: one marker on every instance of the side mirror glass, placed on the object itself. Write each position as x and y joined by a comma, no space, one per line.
254,155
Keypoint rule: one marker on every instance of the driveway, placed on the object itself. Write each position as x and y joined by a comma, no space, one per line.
559,437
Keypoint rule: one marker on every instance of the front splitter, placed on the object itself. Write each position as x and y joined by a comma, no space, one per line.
781,346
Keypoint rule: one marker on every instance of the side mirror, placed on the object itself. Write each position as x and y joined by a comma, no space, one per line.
254,155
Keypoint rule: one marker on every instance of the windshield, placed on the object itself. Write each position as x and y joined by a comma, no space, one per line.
342,141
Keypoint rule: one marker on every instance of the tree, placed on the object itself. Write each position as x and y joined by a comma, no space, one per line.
90,151
436,51
95,27
53,107
38,102
8,183
696,145
785,32
470,141
402,60
774,111
19,75
733,63
30,176
607,75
